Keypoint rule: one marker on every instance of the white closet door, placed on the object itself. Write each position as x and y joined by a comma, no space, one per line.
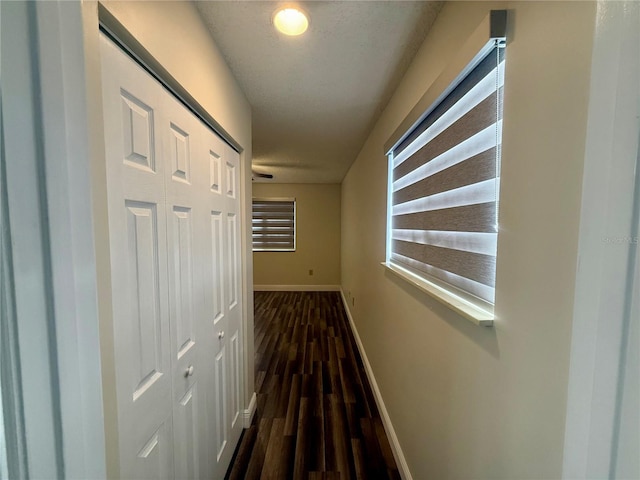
137,226
184,179
234,279
222,300
174,221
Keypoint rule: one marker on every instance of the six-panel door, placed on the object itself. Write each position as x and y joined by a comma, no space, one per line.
222,280
173,204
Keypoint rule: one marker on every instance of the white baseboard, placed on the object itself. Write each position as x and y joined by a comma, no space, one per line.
248,412
296,288
401,462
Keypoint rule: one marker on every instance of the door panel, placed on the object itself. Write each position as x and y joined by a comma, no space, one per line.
233,316
215,171
220,403
223,281
217,292
137,227
180,154
231,179
234,383
232,258
137,125
183,181
182,234
155,459
143,296
187,436
215,303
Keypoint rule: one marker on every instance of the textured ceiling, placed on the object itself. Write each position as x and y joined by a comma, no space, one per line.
315,97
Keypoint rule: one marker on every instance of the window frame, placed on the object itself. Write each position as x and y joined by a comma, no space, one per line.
490,33
295,222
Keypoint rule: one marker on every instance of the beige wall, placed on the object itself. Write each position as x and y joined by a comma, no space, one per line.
467,401
175,36
317,238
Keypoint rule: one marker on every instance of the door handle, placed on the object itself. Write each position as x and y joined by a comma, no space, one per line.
220,335
189,371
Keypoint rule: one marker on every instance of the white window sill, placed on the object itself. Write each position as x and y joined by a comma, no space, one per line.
464,308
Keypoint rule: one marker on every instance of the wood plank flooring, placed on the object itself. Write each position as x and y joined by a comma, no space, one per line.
316,417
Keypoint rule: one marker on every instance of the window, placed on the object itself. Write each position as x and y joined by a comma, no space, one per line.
444,177
274,224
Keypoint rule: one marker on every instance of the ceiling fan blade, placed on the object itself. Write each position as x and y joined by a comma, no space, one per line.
262,175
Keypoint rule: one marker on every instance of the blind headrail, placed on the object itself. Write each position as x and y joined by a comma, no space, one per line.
274,199
490,32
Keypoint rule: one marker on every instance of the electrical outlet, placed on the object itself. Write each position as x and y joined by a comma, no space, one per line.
310,271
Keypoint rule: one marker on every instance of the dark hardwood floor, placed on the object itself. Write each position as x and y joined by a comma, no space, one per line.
316,416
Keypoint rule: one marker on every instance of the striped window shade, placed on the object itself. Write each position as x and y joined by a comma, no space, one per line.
274,224
445,176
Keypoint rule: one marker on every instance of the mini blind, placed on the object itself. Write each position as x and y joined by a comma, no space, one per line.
274,224
445,176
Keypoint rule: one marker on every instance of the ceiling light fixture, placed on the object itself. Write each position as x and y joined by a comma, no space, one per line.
291,21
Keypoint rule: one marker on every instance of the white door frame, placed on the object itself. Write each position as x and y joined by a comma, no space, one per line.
55,204
52,249
607,246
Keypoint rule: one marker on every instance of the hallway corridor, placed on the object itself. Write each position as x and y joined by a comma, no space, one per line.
316,416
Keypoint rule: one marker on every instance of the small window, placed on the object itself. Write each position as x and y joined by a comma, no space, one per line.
274,224
444,177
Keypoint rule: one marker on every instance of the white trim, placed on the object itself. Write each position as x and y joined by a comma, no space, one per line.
453,284
73,265
247,326
249,412
49,206
11,425
398,455
31,287
603,284
463,307
296,288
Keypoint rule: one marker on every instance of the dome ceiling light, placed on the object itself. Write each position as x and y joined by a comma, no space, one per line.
291,21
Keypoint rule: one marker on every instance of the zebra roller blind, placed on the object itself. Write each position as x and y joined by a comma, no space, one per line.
274,224
445,176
